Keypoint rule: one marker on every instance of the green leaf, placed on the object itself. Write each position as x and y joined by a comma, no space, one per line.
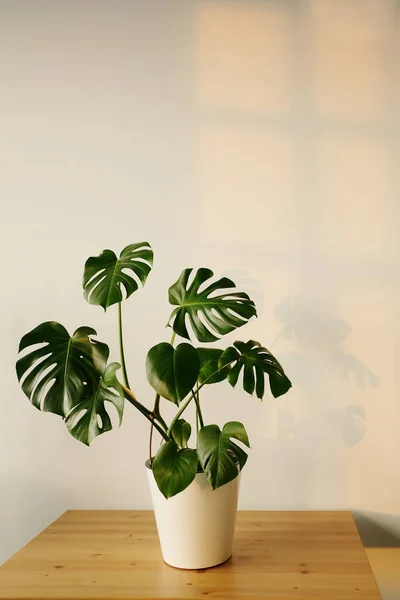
62,372
105,275
219,455
172,372
256,362
181,431
90,418
174,469
220,313
209,358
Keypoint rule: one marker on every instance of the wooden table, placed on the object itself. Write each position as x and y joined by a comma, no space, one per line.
115,555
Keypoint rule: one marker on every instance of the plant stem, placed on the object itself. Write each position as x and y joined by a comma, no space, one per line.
156,408
198,409
151,441
121,347
130,396
156,412
161,421
193,396
178,414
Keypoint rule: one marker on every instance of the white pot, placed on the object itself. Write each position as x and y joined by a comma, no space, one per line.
196,527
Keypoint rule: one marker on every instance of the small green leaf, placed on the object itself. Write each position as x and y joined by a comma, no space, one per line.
235,429
219,455
64,370
172,372
256,362
221,313
90,418
209,358
105,275
174,469
180,432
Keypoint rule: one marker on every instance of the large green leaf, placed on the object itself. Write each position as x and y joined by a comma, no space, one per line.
219,456
209,315
256,362
105,275
174,469
63,370
209,358
172,372
180,432
90,418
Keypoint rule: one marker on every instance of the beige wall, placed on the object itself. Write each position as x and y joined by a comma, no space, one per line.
260,138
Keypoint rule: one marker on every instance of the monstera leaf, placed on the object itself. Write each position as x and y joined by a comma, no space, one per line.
209,358
90,418
219,456
105,275
256,362
174,468
62,372
172,372
180,432
221,313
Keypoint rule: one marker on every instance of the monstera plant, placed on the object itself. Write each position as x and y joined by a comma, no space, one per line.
71,376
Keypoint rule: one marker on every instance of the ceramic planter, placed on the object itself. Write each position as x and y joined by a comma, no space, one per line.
196,527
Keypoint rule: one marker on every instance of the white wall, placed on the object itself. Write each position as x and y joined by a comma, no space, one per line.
259,138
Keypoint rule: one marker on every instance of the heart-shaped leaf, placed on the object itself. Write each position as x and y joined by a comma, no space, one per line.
256,362
90,418
63,370
172,372
209,373
221,313
105,275
174,469
218,455
180,432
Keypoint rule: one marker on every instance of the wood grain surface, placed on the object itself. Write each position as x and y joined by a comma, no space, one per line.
115,555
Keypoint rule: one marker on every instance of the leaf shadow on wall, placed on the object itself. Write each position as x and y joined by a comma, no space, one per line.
317,341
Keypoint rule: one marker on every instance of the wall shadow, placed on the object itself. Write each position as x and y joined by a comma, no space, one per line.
378,530
316,343
27,506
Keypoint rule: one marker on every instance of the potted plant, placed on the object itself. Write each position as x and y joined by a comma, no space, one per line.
194,489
